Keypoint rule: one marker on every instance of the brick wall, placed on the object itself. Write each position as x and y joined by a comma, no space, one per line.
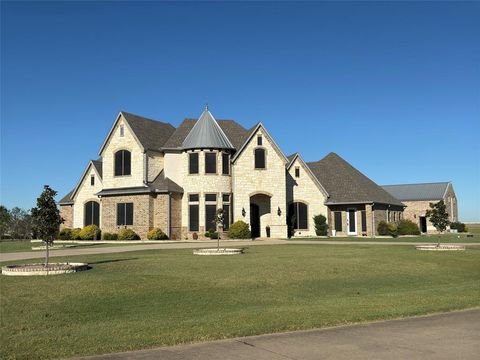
66,212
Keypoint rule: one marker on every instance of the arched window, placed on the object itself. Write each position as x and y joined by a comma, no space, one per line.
122,163
298,215
260,158
91,213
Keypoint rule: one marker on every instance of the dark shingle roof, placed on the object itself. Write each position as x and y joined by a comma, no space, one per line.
345,184
152,134
67,199
235,132
427,191
98,166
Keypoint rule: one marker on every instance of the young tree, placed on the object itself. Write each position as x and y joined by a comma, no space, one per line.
438,216
219,225
46,218
4,220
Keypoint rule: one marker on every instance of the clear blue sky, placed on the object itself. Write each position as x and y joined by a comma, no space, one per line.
394,88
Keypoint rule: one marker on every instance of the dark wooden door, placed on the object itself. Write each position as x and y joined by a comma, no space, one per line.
423,224
255,220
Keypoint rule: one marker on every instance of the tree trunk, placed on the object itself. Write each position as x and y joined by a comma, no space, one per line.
46,255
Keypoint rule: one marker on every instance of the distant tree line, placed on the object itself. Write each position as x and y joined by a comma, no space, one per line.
16,223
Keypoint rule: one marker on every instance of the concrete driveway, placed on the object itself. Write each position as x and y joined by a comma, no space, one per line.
453,335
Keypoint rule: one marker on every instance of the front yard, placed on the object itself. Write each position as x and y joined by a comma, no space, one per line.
148,299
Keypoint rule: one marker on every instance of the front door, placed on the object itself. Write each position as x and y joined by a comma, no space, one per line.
352,221
423,224
255,220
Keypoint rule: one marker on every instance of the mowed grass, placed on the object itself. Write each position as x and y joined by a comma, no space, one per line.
474,228
7,246
445,238
148,299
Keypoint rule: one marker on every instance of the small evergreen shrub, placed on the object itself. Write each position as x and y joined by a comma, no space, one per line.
460,227
239,230
109,236
156,234
382,228
321,226
90,232
128,234
408,227
211,234
75,234
392,230
65,234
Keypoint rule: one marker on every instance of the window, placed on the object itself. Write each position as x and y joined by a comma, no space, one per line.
193,212
210,211
259,158
122,163
298,215
122,131
259,140
225,164
92,180
364,221
91,213
124,214
226,211
297,172
193,163
338,220
388,216
210,163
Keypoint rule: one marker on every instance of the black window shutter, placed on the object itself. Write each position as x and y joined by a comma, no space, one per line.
259,159
120,214
338,220
193,163
126,162
210,163
193,210
129,214
118,163
210,211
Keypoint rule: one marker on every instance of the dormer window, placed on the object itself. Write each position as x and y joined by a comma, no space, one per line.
122,130
92,180
260,162
123,163
259,140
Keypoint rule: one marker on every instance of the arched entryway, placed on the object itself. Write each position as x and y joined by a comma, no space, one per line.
260,214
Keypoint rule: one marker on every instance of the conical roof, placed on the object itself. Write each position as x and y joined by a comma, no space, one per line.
206,134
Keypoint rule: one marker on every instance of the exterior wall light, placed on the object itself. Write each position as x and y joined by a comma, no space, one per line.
244,212
279,211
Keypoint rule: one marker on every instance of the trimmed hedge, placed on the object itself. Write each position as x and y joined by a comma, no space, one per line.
90,232
65,234
156,234
321,226
408,227
239,230
128,234
460,227
211,234
387,229
109,236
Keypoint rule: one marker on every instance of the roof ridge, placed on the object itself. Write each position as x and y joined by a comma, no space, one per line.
426,183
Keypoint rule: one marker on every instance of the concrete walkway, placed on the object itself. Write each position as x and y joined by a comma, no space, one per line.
453,335
13,256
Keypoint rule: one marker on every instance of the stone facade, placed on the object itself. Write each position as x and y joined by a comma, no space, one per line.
85,193
66,212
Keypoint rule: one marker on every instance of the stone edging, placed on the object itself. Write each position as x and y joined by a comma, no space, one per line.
216,252
441,247
38,269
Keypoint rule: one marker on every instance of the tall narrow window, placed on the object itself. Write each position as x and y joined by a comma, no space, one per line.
298,215
364,221
225,164
91,213
122,131
193,212
259,140
193,163
297,172
122,163
226,211
338,220
210,163
210,211
124,214
259,158
92,180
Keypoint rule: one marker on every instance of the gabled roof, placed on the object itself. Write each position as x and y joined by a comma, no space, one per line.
206,134
425,191
345,184
67,199
150,134
291,161
235,132
97,165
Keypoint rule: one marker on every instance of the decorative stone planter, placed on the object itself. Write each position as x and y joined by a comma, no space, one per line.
40,269
441,247
215,251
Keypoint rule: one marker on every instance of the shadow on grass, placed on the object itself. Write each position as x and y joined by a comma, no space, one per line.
110,261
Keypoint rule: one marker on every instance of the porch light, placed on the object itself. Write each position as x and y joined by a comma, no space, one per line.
279,211
244,212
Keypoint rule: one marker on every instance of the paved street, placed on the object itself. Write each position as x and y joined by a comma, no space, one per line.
191,245
453,335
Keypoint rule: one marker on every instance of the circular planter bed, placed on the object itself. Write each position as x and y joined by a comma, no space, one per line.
215,251
441,247
40,269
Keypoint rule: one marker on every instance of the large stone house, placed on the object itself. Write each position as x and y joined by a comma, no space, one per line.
150,174
417,198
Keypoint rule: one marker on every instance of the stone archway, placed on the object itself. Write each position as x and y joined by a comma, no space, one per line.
260,214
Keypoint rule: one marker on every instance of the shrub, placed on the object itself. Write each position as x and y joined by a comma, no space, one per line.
239,230
156,234
128,234
90,232
65,234
76,234
460,227
109,236
321,226
211,234
392,230
382,228
408,227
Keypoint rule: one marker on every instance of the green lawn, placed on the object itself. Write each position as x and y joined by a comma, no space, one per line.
446,238
26,245
152,298
474,228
